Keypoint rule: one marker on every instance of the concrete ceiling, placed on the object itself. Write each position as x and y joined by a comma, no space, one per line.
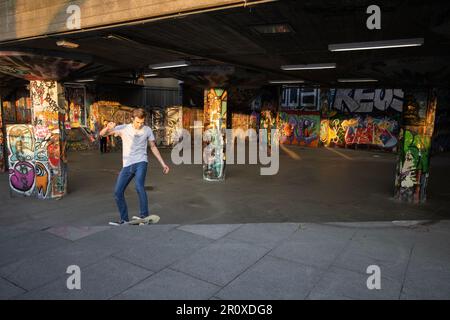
225,49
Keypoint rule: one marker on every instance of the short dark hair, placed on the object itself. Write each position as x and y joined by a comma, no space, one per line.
139,113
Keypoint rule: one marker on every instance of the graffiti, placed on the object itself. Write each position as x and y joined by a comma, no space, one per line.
268,121
23,110
300,98
415,147
53,151
2,155
20,142
190,115
215,113
80,139
21,177
42,180
32,66
254,120
299,128
360,130
413,166
158,127
368,100
75,98
173,125
44,97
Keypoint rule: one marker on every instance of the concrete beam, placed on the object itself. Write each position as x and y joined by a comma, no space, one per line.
22,19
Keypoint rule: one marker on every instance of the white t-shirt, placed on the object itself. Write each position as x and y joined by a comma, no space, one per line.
134,143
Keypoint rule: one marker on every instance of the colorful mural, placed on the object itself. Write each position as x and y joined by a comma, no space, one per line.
20,142
158,125
360,130
75,97
173,125
23,110
46,151
415,147
215,119
299,128
2,143
297,98
268,121
368,100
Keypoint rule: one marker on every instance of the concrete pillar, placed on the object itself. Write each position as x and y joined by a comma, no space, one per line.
37,159
2,140
413,163
214,125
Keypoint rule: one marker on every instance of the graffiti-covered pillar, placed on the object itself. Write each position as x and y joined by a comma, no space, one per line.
215,121
2,140
36,153
413,163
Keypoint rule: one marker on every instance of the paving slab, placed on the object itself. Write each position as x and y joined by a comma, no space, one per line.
221,261
103,280
272,279
160,252
170,285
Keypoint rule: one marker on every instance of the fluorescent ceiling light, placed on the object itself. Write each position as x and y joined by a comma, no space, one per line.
173,64
357,80
376,45
273,28
309,66
285,81
85,80
67,44
147,75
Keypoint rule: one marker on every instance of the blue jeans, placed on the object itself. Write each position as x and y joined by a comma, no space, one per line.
138,170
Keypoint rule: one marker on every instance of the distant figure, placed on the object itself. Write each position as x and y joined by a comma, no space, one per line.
104,139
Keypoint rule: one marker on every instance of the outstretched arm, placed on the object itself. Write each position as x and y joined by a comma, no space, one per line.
108,130
156,153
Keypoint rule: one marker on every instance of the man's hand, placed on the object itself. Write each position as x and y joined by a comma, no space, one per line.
111,125
166,169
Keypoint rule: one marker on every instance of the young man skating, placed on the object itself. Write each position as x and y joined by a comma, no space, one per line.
135,138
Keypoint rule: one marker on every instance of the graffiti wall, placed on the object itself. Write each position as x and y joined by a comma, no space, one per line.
2,144
173,125
415,146
80,139
23,110
297,98
20,142
368,100
39,150
361,117
158,125
240,121
75,97
190,115
342,131
215,119
299,128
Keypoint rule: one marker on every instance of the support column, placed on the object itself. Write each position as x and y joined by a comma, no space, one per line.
415,146
214,124
3,153
37,160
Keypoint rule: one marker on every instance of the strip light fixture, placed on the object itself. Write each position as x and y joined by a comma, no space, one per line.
285,81
309,66
358,80
401,43
168,65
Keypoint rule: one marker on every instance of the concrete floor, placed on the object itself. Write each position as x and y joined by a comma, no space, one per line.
314,185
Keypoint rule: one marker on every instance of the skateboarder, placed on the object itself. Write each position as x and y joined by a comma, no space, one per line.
135,138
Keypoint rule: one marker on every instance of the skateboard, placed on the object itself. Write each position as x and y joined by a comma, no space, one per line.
138,221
